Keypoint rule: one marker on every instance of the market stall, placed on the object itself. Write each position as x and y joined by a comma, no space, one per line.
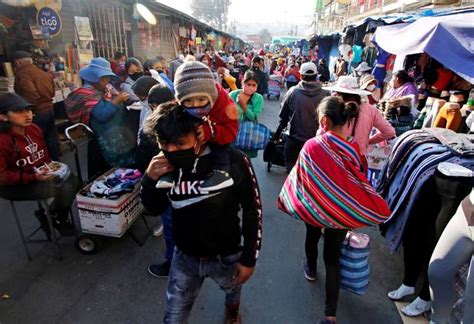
448,39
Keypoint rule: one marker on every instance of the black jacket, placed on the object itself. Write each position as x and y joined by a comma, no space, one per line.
299,110
208,224
146,150
262,82
323,72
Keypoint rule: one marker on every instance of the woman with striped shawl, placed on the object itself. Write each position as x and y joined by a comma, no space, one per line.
328,189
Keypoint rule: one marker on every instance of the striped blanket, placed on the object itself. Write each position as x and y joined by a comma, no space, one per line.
79,104
328,187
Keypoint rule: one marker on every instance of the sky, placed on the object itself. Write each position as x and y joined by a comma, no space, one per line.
263,11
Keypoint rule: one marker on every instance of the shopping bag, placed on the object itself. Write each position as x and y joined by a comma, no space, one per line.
252,136
377,155
354,263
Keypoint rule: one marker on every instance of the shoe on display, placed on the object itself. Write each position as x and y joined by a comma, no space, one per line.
160,270
401,292
158,230
309,274
165,182
217,180
232,316
416,308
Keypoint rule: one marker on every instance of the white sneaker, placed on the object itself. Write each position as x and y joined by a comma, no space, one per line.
165,183
158,230
416,308
401,292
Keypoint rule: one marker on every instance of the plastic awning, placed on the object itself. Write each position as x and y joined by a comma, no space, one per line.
448,39
409,17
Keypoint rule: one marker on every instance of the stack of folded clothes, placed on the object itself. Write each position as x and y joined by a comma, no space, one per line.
120,182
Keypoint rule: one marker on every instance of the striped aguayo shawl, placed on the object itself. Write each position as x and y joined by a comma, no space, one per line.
328,188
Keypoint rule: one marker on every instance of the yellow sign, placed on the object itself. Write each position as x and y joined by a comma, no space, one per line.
53,4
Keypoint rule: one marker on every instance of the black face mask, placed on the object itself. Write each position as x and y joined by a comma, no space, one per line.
135,76
183,159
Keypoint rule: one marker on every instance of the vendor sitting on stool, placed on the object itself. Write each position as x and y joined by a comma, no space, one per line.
23,154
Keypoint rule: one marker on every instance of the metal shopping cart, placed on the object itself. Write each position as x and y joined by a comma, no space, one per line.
101,217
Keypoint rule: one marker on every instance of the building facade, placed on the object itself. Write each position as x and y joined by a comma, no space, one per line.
334,15
90,28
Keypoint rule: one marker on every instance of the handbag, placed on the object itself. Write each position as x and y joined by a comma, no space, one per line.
354,263
252,136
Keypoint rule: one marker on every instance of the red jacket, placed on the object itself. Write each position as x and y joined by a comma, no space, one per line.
295,71
20,154
223,123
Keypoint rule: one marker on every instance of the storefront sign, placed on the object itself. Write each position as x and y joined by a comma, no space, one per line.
83,28
49,18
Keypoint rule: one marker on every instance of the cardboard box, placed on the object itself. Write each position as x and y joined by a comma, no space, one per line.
109,217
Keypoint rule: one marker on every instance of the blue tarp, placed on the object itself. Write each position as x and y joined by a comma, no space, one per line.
448,39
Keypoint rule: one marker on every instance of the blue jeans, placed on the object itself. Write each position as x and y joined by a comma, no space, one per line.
168,233
46,122
186,277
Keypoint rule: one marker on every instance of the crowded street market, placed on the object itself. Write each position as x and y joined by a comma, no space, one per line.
145,147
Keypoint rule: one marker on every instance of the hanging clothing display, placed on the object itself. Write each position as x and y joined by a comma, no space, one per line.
345,51
357,54
348,35
369,55
412,162
379,70
359,35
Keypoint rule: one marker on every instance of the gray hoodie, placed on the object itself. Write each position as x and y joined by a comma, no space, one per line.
298,109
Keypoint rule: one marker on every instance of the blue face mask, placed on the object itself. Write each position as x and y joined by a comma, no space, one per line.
199,112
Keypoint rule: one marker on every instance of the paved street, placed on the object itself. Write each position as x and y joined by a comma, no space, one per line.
113,287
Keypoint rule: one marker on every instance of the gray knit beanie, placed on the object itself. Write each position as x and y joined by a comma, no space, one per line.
194,79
